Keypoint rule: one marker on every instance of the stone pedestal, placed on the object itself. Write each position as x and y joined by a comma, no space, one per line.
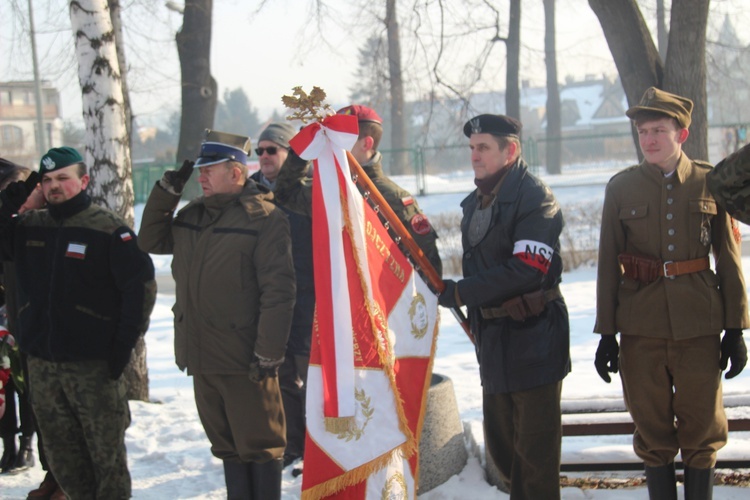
442,452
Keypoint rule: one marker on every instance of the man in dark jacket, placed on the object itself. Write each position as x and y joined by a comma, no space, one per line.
272,150
235,292
511,264
85,293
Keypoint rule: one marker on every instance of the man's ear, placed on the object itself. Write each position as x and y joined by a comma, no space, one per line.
682,137
368,142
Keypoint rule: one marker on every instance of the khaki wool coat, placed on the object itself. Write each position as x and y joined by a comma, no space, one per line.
671,218
235,283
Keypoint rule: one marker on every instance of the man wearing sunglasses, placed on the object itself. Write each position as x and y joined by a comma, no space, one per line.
272,150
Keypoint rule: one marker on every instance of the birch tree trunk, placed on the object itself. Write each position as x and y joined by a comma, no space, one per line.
107,145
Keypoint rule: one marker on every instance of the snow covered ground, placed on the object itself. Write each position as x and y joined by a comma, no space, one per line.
168,452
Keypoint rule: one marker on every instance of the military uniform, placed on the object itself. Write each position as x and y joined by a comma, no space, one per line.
729,183
656,288
85,293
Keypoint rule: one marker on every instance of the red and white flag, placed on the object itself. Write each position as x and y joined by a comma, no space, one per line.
374,337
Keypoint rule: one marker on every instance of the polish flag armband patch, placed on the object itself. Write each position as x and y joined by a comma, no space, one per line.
534,253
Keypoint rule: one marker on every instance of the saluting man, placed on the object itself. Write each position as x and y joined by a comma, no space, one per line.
511,264
656,288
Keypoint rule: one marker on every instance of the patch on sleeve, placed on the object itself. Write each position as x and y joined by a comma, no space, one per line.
736,231
407,200
126,235
534,253
420,224
76,251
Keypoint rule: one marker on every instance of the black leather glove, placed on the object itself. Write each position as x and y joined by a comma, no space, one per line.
15,194
607,356
118,360
447,297
174,180
262,368
733,348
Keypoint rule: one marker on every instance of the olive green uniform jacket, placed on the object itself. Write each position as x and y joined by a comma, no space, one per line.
233,270
674,219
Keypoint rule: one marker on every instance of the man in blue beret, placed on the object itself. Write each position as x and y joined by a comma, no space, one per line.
512,270
86,292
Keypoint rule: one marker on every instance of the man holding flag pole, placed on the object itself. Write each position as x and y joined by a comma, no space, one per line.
375,327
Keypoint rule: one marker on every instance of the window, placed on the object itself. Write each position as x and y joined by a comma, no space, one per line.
11,137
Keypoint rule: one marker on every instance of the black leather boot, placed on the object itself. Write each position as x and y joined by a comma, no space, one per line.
661,482
699,484
9,453
25,456
267,479
238,480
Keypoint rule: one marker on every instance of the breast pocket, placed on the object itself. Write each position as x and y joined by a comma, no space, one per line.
634,220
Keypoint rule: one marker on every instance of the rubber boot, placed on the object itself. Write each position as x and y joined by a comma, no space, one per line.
238,480
9,453
661,482
267,479
25,456
699,484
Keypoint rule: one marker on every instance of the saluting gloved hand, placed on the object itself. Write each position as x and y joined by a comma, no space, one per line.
15,194
261,368
733,348
174,181
607,356
447,297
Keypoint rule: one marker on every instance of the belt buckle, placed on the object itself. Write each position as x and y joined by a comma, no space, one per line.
664,268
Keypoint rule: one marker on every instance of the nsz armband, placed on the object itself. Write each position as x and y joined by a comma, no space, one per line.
534,253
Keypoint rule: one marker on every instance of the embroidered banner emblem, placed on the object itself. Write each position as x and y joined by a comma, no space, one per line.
420,224
76,251
534,253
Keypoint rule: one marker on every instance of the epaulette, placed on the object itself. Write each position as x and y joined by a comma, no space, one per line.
623,171
703,164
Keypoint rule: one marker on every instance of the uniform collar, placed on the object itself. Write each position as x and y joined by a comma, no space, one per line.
70,207
681,172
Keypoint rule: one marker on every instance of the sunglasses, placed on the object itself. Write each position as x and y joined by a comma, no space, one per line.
272,150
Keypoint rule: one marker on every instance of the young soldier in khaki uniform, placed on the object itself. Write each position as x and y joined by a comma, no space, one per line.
655,286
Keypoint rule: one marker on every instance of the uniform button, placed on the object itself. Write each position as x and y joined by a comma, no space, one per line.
632,212
670,201
670,248
671,232
669,187
669,216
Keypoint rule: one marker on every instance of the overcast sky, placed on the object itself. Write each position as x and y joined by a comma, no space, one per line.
269,52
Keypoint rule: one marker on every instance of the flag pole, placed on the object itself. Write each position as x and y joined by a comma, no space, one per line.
394,223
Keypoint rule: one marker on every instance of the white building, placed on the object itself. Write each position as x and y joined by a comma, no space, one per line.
18,121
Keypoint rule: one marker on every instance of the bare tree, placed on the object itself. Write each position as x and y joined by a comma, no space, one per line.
199,88
513,54
640,66
107,144
400,159
554,117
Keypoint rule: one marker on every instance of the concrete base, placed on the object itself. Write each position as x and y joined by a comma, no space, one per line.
442,452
